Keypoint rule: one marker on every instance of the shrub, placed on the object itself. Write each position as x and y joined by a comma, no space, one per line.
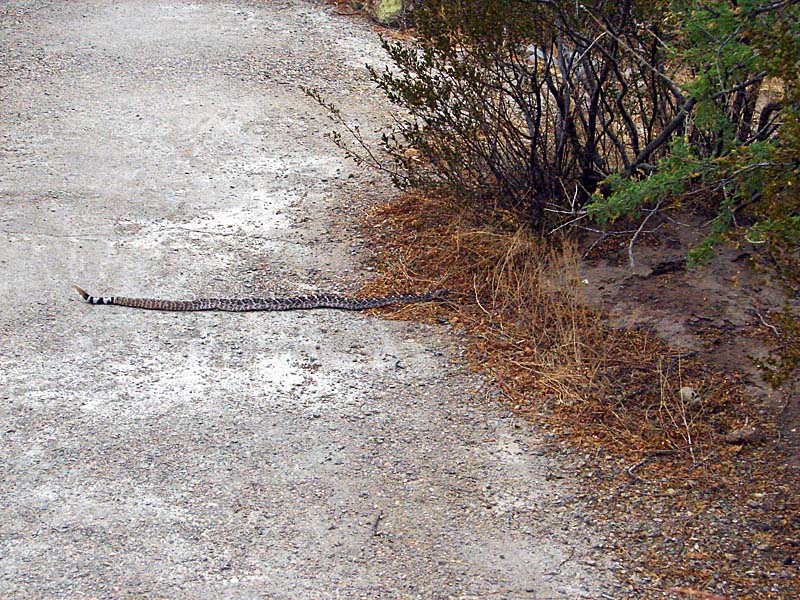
738,140
525,105
737,146
559,111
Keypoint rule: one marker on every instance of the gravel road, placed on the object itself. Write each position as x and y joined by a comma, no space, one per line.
166,148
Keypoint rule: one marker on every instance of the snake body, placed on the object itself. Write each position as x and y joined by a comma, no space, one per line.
263,304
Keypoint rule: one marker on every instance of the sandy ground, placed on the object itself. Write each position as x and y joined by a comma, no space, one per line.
166,148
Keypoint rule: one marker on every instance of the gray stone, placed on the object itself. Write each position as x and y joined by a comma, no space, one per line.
744,435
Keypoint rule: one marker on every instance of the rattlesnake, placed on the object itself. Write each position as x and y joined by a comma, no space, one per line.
267,304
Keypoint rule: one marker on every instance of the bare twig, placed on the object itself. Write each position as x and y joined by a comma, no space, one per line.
562,563
665,134
630,470
766,323
638,232
477,298
674,87
569,222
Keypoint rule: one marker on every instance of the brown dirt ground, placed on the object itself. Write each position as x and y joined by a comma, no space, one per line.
723,523
722,310
742,514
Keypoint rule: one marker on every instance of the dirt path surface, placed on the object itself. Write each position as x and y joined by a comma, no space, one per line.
166,148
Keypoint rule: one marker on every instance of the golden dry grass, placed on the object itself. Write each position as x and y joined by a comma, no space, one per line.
563,365
521,300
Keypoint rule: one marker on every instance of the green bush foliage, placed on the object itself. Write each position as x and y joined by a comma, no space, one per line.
563,111
737,147
738,143
526,105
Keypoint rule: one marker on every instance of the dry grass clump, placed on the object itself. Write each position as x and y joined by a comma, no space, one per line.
548,352
720,516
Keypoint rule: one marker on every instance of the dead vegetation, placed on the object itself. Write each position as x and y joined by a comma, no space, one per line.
667,425
545,348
